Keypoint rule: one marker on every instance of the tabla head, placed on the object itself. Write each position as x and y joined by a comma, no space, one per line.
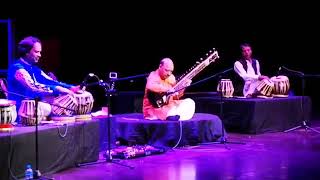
6,102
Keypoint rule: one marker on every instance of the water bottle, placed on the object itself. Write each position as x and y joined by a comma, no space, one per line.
28,172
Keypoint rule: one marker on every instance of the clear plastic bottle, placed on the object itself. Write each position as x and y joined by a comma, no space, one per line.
28,172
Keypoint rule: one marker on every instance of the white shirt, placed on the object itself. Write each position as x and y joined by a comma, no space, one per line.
248,76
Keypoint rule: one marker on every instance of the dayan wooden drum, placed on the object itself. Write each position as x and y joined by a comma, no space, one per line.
27,112
8,115
281,86
265,87
225,86
85,103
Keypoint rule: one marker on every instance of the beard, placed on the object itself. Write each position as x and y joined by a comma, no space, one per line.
32,60
36,60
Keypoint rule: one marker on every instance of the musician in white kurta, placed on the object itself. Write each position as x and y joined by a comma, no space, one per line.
162,80
248,69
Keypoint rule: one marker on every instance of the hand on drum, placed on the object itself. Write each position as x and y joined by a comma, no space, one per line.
77,89
262,77
64,90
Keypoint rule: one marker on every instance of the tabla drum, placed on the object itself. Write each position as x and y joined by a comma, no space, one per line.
265,87
27,112
8,114
281,86
64,105
85,103
225,86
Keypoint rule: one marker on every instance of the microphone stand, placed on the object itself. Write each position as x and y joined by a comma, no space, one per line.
223,139
304,123
109,91
36,173
210,77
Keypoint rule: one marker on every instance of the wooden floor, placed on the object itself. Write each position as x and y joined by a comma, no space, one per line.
292,155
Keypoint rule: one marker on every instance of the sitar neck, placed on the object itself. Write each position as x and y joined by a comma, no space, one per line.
196,69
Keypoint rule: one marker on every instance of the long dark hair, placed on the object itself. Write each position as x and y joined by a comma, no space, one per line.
26,44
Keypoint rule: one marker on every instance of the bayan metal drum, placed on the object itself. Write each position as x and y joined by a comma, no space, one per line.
265,87
64,105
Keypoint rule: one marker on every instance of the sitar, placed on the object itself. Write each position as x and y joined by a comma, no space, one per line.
160,99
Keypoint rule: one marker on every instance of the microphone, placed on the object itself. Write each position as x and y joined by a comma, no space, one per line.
103,84
292,71
84,82
106,86
279,70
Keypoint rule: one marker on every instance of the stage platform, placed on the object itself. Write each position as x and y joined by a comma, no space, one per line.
132,129
60,147
250,115
257,115
65,146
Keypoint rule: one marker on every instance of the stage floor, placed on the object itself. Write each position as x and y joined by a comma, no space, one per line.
293,155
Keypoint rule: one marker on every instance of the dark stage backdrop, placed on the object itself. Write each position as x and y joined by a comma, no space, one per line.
132,41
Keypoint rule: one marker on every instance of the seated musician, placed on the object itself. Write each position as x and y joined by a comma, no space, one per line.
173,108
26,78
248,69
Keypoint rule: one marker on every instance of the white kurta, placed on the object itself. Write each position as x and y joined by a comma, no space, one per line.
249,76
